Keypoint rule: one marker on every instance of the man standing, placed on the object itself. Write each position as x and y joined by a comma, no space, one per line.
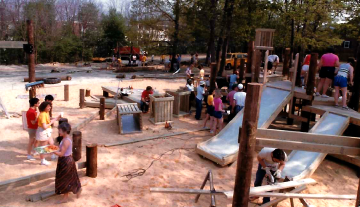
31,119
145,99
238,100
188,70
271,163
230,98
199,99
273,60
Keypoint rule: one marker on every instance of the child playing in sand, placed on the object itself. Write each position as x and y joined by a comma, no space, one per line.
31,118
145,99
218,112
67,179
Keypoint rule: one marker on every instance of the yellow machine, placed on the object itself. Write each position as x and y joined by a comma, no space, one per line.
98,59
230,59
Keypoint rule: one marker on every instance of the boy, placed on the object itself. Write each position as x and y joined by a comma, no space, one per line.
145,99
50,99
31,119
199,99
271,163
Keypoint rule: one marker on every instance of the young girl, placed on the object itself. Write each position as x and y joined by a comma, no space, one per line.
341,80
67,179
44,131
210,109
218,118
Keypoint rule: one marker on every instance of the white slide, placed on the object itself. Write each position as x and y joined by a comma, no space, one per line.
302,164
223,148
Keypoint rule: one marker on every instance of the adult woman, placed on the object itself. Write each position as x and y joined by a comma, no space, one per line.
43,133
218,111
67,179
340,80
327,66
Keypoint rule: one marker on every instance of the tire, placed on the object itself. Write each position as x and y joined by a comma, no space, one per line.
52,80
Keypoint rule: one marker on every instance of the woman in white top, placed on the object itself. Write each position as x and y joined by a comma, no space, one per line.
190,87
341,80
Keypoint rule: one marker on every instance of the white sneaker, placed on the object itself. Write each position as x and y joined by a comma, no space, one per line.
317,94
45,162
53,157
29,157
324,96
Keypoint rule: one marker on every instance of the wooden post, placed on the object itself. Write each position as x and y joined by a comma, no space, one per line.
213,76
265,67
76,145
357,202
354,99
66,92
235,65
249,62
309,91
32,93
87,94
102,108
91,160
82,98
298,71
242,70
256,66
247,146
286,65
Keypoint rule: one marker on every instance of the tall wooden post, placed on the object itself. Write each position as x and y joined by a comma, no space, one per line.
77,136
247,146
357,202
66,92
31,58
235,65
354,99
286,64
91,160
309,91
213,76
82,98
242,70
87,93
249,63
298,71
102,108
32,93
256,66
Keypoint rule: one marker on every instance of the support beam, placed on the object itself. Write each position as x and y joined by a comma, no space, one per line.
250,54
256,66
306,196
354,99
278,200
247,146
77,137
31,57
265,67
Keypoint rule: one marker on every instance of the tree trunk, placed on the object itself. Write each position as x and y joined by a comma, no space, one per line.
223,56
176,35
211,43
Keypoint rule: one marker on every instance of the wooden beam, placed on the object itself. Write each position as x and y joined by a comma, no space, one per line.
306,196
13,44
308,137
299,118
186,191
307,146
275,201
265,67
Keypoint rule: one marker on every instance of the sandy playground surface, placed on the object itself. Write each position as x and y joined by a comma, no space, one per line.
178,167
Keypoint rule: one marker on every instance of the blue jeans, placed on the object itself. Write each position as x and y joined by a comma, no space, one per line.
260,174
144,107
198,108
238,109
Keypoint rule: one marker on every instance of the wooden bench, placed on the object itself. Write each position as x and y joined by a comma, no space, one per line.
129,118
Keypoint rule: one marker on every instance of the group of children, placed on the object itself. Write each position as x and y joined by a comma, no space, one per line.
40,122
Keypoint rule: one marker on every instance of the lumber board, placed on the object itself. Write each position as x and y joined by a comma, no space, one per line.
307,137
307,146
277,186
26,180
306,196
275,201
95,104
355,160
93,116
152,138
186,191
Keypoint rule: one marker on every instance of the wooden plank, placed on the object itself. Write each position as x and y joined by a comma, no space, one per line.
94,104
308,137
299,118
307,146
306,196
265,67
152,138
26,180
355,160
185,191
13,44
277,186
275,201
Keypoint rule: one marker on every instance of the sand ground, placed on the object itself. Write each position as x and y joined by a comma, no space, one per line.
179,166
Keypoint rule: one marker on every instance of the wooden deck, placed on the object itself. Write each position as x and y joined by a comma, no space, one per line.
135,97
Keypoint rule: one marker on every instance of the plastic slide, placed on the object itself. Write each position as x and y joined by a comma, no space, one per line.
302,164
223,147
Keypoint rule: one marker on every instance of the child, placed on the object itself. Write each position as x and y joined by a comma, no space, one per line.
341,80
218,112
145,99
31,118
67,179
199,99
190,87
210,109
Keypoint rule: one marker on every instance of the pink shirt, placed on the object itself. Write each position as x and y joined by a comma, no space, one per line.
217,103
230,96
329,60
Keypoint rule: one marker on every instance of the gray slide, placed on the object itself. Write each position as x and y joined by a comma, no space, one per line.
223,148
303,164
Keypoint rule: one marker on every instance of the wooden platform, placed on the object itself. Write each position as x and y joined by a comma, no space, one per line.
129,118
181,102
